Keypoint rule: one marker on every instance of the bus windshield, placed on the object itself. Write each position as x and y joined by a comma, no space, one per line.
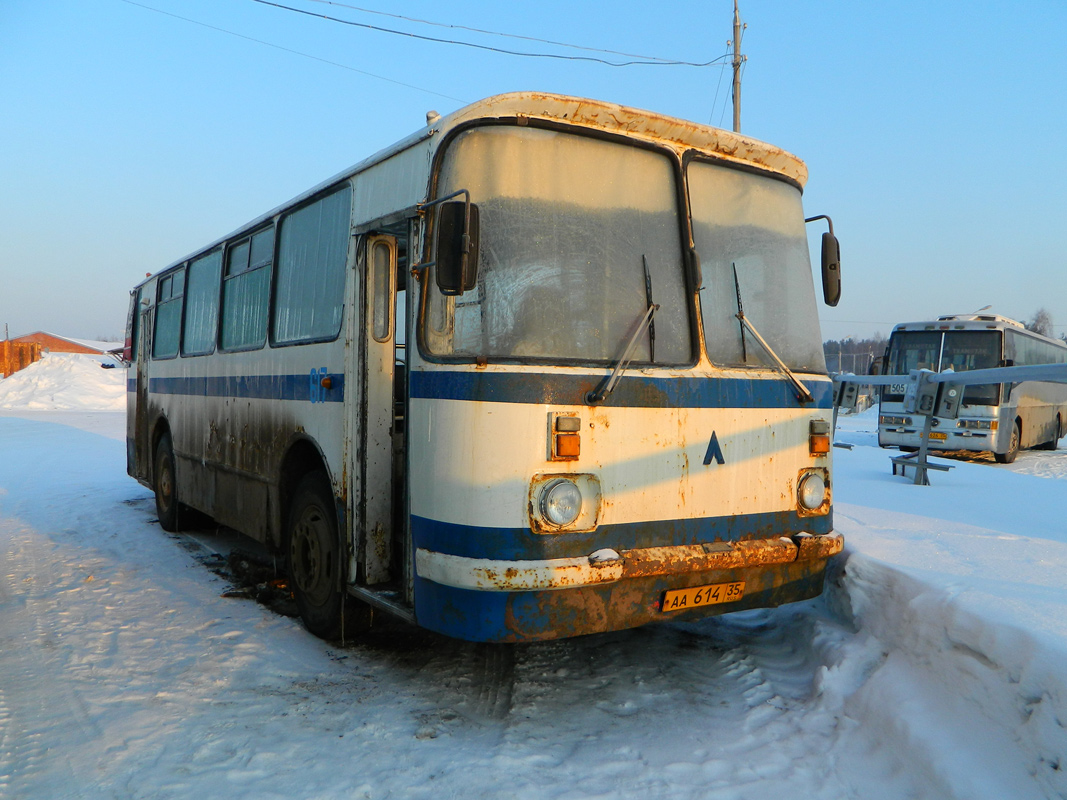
568,225
749,231
958,351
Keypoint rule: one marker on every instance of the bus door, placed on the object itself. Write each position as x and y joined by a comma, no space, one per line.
375,408
141,322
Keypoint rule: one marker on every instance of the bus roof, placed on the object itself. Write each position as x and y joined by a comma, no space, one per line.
647,125
974,322
678,134
960,322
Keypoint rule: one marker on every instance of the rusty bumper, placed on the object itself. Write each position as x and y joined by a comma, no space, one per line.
608,566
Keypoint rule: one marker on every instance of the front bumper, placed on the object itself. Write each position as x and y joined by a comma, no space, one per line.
609,566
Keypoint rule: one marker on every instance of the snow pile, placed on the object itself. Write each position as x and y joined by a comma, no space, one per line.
66,382
958,666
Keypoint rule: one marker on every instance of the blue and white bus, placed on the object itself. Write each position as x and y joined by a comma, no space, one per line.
999,418
547,367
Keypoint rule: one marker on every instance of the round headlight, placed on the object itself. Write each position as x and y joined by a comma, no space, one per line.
812,491
561,502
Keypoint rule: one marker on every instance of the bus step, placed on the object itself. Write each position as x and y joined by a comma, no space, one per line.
387,599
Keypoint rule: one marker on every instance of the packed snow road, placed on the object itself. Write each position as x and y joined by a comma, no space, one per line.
935,665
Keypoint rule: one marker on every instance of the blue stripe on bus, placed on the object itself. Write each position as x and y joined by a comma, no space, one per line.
634,391
517,544
253,387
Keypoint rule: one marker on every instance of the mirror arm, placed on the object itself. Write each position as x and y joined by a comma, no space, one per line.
829,221
422,207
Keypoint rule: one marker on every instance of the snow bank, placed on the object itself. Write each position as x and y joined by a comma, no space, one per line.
66,382
958,667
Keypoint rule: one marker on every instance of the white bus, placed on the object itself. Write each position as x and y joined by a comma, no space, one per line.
612,407
999,418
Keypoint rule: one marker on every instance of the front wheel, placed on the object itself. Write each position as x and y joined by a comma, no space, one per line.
317,564
1013,446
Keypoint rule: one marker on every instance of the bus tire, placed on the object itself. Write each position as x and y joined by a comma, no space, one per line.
317,563
166,485
1013,446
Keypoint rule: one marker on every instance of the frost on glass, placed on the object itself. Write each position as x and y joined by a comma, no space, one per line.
754,225
168,315
202,304
312,252
565,221
245,294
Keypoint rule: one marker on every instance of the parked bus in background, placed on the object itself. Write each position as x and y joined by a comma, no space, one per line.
999,418
612,407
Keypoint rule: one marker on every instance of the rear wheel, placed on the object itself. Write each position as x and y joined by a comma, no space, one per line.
317,565
1013,446
1057,433
166,486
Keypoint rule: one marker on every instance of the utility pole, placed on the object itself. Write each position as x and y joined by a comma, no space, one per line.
737,61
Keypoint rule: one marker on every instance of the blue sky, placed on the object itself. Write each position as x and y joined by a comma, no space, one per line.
933,132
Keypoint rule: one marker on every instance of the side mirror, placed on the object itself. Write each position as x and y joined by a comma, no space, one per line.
831,263
831,269
457,247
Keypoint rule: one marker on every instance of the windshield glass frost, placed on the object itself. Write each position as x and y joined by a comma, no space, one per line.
754,225
567,223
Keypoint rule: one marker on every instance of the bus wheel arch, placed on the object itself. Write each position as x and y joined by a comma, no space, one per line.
1013,444
302,457
1057,433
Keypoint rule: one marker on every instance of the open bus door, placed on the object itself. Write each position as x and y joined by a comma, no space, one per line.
371,409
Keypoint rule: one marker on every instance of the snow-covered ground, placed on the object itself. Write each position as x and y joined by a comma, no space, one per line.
935,666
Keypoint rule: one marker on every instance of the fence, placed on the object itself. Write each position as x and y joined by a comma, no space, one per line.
17,355
856,363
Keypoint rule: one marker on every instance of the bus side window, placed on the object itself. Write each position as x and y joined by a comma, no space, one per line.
246,292
381,263
171,290
312,254
202,305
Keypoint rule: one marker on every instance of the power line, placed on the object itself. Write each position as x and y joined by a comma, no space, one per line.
503,35
379,29
294,52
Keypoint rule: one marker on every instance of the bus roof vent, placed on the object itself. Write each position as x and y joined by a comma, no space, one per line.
997,318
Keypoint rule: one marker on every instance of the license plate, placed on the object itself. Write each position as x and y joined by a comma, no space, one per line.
695,596
938,435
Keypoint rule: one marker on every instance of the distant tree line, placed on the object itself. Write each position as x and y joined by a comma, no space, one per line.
1041,323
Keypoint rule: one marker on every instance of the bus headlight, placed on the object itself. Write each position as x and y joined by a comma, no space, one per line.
891,420
812,491
567,502
561,502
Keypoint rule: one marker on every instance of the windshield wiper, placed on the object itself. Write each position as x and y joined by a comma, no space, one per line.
649,303
601,392
802,391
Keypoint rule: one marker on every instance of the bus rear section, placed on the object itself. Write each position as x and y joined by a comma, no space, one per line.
998,418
